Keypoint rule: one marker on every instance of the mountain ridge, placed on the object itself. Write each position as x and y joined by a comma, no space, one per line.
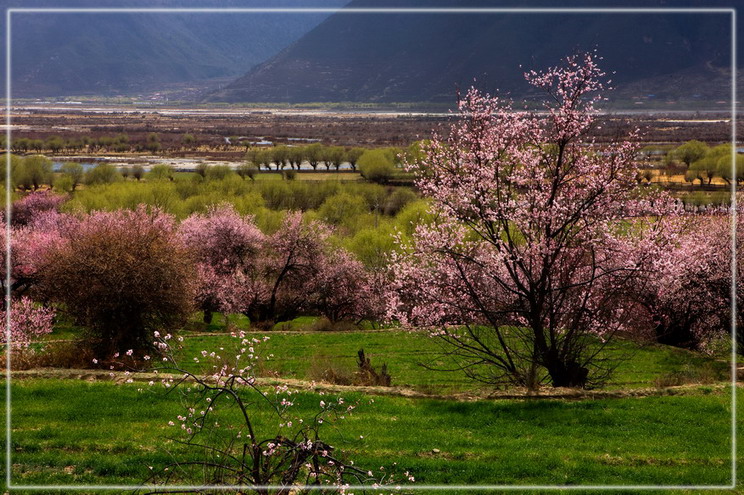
56,54
425,57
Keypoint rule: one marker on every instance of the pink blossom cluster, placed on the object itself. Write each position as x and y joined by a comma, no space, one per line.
687,301
31,206
274,277
27,321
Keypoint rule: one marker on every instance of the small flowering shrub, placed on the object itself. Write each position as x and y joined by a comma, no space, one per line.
25,210
248,435
27,321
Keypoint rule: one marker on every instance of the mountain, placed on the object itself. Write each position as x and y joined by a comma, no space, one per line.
56,54
415,57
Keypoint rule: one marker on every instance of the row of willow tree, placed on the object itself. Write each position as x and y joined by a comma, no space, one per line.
700,162
542,250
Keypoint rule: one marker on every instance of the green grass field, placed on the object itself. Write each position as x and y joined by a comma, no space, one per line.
300,353
67,432
78,432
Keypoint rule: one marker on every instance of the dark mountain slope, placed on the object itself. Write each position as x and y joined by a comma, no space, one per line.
424,57
84,53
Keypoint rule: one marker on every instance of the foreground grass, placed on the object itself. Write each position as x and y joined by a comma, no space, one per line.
72,432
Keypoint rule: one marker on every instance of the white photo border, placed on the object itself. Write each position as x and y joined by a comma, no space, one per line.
409,10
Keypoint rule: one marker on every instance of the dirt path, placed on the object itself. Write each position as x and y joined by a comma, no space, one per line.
515,394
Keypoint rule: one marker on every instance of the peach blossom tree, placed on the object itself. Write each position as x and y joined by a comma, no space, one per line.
541,233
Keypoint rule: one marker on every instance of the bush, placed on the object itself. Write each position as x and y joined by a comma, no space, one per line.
398,199
160,172
322,368
342,206
368,375
64,184
373,246
377,165
218,172
123,275
103,173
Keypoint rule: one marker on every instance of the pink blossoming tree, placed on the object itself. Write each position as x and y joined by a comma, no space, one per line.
122,274
526,272
227,247
277,277
688,300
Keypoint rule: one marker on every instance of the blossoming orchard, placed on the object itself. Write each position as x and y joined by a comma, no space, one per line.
293,335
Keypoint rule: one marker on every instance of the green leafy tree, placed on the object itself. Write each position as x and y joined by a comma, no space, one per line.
352,156
21,145
377,165
161,172
335,156
342,207
295,156
188,140
690,152
103,173
64,184
264,158
725,170
247,170
153,143
314,154
55,144
201,169
74,172
219,172
138,171
707,168
279,155
32,172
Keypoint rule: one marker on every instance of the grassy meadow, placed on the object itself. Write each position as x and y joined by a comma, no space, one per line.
106,432
73,432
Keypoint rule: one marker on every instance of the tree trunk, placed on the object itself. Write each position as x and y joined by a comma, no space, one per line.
676,335
568,374
208,315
